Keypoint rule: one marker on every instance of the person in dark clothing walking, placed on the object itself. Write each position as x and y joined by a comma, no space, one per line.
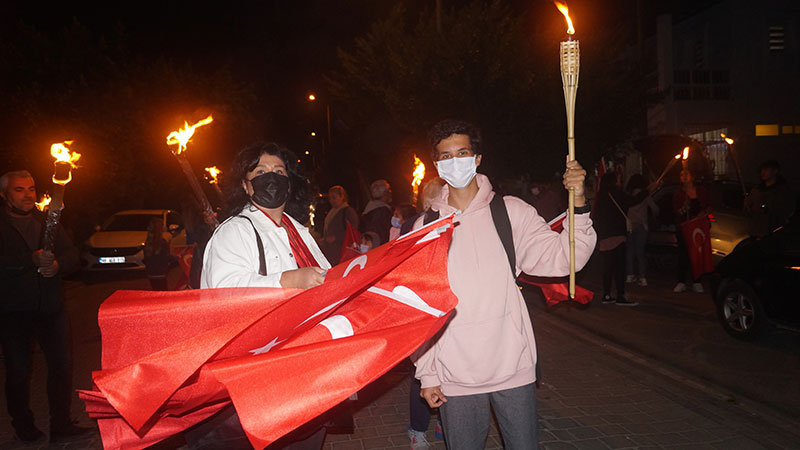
32,307
336,224
771,203
377,215
610,223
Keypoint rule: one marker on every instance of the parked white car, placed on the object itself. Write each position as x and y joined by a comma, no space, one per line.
119,242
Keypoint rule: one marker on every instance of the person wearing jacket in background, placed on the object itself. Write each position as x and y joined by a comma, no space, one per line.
610,217
638,215
336,221
264,205
377,215
32,307
486,353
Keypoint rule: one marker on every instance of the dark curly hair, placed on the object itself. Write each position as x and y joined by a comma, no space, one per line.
246,160
449,127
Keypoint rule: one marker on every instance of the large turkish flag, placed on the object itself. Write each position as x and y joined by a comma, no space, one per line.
281,356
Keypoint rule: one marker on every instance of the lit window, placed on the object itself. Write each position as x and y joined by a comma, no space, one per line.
767,129
797,129
787,129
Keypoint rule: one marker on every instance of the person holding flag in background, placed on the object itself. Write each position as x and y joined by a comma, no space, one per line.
486,354
262,243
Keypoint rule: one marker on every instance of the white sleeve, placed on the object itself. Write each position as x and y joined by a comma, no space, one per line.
231,259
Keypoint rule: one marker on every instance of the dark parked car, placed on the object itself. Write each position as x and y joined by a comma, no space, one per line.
756,286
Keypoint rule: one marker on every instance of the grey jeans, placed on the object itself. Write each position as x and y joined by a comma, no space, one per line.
466,419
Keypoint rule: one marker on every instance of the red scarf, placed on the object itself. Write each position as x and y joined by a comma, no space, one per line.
302,255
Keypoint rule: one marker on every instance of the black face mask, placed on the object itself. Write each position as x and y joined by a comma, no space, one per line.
270,190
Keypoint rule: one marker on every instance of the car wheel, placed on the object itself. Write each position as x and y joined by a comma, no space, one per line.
740,311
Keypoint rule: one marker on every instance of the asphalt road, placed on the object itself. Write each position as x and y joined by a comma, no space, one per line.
681,331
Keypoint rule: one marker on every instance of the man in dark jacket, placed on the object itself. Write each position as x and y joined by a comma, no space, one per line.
32,307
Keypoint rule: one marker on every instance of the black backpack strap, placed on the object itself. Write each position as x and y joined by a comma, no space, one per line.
503,226
262,261
430,216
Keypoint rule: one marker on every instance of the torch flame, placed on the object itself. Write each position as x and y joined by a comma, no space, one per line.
184,135
727,139
418,174
63,155
565,11
213,172
41,205
686,153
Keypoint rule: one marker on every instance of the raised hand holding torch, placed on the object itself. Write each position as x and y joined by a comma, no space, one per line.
62,174
570,59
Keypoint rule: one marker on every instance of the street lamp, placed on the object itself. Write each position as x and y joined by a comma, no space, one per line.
312,97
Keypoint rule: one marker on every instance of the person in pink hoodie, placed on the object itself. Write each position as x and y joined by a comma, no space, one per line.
486,354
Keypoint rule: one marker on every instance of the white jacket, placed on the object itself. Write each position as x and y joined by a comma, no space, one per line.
231,257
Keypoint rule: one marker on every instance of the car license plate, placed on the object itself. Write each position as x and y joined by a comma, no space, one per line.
112,260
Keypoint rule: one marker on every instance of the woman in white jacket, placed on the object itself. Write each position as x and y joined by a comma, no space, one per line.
262,243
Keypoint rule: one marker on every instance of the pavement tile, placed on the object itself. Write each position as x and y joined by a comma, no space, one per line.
347,445
611,429
668,438
739,444
590,444
559,424
558,446
376,442
585,432
590,420
699,436
618,442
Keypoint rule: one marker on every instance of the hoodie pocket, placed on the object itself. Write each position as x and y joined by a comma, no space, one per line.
485,352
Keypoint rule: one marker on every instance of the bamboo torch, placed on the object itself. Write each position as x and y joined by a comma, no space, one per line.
570,58
729,141
62,174
181,138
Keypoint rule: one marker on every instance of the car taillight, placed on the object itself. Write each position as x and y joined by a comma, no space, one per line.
711,218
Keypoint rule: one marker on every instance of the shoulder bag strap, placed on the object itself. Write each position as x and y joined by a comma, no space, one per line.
503,226
262,261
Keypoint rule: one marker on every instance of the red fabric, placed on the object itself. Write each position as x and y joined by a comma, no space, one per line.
302,255
697,235
282,356
350,245
556,290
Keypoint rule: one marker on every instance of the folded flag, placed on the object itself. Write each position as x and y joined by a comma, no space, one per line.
281,356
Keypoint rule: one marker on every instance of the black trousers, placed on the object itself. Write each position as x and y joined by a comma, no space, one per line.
614,268
418,408
51,331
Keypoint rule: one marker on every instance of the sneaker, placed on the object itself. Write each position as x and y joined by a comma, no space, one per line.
69,432
418,440
28,433
642,281
439,433
622,301
630,279
697,287
608,299
680,287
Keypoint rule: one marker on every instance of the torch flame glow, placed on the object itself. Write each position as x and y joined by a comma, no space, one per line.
565,11
41,205
213,172
686,153
727,139
418,174
184,135
63,155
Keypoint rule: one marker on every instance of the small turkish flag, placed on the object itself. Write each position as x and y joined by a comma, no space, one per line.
350,245
697,236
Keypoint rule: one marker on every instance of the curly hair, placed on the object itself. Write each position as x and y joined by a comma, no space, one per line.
449,127
246,160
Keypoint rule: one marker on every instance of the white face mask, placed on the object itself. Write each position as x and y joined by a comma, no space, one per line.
363,248
457,172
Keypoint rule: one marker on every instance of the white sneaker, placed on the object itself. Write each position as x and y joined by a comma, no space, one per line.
680,287
418,440
697,287
642,281
630,279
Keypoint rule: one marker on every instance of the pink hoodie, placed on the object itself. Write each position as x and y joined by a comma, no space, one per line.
488,345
